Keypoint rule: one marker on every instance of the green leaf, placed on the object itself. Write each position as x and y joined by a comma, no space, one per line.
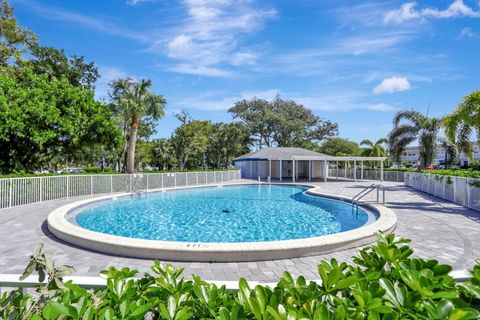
141,310
444,308
50,312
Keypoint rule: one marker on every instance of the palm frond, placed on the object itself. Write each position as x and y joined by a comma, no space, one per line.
412,116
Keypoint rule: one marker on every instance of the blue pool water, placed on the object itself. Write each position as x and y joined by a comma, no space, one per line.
227,214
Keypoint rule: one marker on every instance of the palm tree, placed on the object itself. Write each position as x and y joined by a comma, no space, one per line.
417,126
163,152
450,151
376,149
134,101
463,121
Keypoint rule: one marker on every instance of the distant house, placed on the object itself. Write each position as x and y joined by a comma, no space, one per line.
411,155
295,163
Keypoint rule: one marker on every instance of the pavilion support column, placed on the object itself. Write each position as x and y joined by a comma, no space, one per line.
336,172
325,170
309,170
269,169
361,170
354,170
293,171
280,169
345,171
381,170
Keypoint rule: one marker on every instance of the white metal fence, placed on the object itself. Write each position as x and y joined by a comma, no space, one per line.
20,191
396,176
463,191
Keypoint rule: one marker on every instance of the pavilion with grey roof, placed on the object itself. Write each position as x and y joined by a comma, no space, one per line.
297,163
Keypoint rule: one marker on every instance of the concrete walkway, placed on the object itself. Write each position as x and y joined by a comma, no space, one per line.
439,230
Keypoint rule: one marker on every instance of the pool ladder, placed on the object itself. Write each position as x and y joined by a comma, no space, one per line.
356,199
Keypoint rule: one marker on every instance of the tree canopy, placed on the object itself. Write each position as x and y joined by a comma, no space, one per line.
14,40
41,118
337,146
282,123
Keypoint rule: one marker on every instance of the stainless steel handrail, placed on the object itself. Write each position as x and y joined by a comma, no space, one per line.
356,199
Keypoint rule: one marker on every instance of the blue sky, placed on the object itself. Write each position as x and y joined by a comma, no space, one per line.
353,62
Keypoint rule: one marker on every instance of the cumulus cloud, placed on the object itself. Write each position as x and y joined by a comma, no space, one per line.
467,33
408,11
208,40
393,84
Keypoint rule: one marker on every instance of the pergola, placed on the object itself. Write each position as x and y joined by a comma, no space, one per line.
295,163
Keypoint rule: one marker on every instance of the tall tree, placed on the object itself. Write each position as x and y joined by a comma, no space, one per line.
54,63
296,125
463,122
376,149
43,118
191,139
337,146
259,118
450,151
14,40
135,102
163,154
409,125
227,141
282,123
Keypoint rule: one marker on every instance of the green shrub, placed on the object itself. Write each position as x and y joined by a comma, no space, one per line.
466,173
92,169
385,281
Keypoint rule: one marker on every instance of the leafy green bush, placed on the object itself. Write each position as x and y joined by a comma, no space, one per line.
466,173
385,282
92,169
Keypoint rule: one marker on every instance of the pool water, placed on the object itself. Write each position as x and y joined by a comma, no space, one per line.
245,213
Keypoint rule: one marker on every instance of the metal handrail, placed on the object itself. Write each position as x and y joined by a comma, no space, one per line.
356,199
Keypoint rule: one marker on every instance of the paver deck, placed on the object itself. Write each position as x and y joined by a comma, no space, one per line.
439,230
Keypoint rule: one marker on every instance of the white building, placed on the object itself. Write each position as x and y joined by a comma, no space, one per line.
296,164
412,156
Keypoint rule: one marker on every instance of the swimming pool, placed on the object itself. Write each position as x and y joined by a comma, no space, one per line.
246,213
221,223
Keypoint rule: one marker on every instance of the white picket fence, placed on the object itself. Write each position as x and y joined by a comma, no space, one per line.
21,191
396,176
462,191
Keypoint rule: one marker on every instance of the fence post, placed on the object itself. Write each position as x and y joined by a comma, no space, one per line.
111,183
215,176
468,195
147,181
91,184
175,176
41,188
197,177
68,185
162,179
186,179
10,192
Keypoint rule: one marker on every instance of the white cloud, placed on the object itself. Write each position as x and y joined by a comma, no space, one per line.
408,11
135,2
332,101
393,84
244,58
208,40
186,68
404,13
467,33
102,25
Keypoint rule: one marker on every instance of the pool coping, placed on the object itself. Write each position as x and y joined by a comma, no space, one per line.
60,227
